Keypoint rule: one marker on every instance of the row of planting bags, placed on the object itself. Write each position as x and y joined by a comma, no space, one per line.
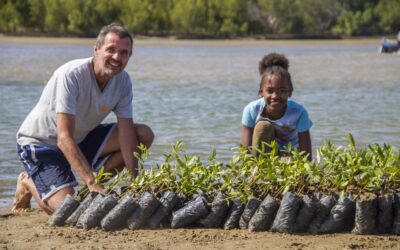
293,214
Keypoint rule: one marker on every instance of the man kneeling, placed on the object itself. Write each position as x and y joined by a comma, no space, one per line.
64,129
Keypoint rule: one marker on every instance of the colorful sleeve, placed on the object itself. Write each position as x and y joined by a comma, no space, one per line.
248,118
304,123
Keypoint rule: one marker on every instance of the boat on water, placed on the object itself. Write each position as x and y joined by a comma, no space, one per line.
390,46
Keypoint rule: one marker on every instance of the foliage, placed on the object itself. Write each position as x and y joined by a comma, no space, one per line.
337,170
216,18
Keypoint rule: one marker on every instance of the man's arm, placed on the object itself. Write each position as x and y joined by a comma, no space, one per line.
128,143
67,144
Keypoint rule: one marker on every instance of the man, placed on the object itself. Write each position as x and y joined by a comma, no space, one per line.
64,129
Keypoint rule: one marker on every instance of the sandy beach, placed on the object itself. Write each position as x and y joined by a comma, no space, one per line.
171,41
31,231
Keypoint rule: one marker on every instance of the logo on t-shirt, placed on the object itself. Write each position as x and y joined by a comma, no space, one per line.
104,108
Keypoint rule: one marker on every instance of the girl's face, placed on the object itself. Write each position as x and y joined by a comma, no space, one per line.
276,92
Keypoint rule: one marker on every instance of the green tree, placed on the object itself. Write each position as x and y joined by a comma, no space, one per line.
10,18
389,14
357,18
56,19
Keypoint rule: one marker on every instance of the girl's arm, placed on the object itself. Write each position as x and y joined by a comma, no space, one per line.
305,143
246,137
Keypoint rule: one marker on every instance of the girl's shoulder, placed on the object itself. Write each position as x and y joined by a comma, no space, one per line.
256,104
295,105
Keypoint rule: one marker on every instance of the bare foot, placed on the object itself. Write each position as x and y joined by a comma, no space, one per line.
22,199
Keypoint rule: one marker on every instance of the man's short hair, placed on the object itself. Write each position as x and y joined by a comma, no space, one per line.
116,29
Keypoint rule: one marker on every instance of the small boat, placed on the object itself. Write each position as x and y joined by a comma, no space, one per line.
389,46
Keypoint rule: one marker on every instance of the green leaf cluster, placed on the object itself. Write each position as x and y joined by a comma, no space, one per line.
203,18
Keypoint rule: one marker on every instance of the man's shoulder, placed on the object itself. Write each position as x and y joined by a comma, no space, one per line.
73,66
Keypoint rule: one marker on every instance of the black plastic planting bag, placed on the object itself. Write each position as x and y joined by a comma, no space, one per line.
308,209
116,218
287,213
264,215
248,212
385,214
396,221
96,213
232,220
148,203
366,211
188,214
325,205
74,217
167,220
219,208
82,219
168,201
66,208
341,217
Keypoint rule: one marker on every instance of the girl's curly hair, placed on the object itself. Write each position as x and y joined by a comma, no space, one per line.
273,59
275,64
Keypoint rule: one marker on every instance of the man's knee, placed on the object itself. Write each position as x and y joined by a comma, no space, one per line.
145,134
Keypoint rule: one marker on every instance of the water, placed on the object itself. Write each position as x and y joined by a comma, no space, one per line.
195,92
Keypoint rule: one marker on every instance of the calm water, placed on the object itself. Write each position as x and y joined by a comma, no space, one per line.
196,93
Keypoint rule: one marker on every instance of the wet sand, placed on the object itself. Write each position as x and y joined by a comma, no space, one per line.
31,231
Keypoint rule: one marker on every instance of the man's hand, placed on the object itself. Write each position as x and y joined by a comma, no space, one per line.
96,187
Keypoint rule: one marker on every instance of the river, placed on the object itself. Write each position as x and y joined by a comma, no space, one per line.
195,91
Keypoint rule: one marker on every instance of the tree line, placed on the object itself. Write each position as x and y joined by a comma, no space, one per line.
203,18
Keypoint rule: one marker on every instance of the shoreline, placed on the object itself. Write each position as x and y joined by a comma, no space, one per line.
30,230
171,41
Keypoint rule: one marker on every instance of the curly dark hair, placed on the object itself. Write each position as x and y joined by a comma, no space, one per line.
273,59
275,64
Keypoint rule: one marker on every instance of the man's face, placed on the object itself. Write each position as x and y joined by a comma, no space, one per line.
113,56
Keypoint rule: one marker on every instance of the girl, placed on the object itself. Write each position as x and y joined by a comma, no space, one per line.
275,116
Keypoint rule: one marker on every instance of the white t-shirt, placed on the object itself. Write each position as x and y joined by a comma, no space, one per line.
73,90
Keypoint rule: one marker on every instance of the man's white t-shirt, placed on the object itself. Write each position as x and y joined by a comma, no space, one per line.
73,90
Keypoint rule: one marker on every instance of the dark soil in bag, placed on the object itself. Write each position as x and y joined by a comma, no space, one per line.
264,215
287,213
95,213
326,202
96,200
148,203
168,201
384,220
167,220
219,209
248,212
396,208
66,208
74,217
366,211
236,210
341,217
308,209
188,214
116,218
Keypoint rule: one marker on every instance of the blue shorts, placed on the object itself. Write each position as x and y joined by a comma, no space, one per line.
50,170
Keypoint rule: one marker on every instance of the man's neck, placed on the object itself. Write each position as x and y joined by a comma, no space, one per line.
100,78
